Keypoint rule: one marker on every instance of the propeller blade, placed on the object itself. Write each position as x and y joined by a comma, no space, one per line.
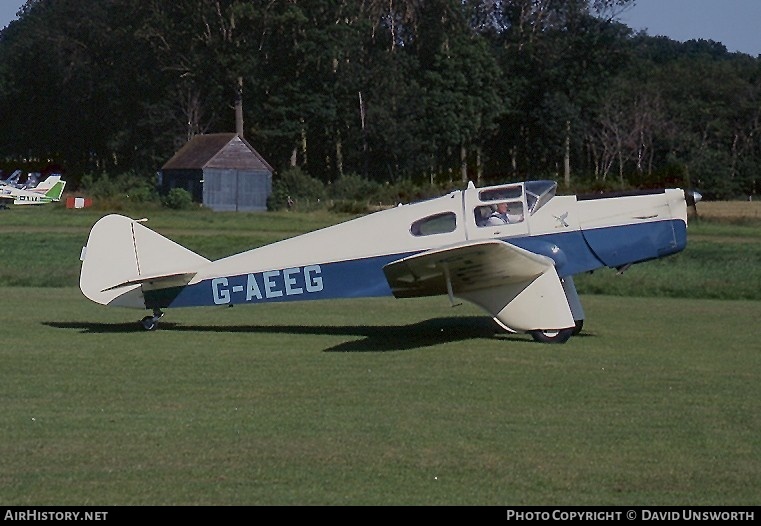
692,197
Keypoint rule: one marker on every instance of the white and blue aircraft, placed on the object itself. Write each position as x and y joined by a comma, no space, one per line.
12,180
48,191
511,249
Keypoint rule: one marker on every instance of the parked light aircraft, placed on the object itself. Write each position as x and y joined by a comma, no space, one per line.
519,272
27,182
47,191
12,179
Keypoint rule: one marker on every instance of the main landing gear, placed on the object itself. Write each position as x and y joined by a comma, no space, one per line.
552,336
557,336
151,323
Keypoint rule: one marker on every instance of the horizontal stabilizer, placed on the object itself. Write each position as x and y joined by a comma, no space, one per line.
122,256
162,279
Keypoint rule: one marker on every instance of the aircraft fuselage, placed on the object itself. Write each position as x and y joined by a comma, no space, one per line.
580,234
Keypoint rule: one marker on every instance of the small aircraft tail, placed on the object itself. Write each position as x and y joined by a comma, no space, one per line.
122,258
55,193
47,184
52,188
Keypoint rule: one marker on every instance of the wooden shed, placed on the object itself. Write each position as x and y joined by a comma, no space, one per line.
222,171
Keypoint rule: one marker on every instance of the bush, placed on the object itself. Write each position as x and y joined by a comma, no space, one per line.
295,189
354,194
352,187
178,199
129,186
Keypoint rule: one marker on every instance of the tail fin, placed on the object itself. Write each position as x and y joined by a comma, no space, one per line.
47,184
56,191
12,180
122,256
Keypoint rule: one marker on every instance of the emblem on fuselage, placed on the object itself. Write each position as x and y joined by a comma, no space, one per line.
561,220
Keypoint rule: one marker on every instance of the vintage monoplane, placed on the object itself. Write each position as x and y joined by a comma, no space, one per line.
511,249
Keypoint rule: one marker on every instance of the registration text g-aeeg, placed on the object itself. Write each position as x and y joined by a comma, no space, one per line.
270,284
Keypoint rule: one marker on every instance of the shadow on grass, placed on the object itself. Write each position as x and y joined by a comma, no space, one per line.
376,338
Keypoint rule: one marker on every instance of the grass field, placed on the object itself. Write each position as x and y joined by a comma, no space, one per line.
378,401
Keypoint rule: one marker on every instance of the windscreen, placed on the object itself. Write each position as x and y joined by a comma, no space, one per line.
538,193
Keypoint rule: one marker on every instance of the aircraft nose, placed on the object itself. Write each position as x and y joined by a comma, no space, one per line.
692,197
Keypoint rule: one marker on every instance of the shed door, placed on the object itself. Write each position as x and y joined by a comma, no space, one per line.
220,189
253,190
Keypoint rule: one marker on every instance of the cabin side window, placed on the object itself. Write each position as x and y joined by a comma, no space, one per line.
503,192
502,205
501,213
436,224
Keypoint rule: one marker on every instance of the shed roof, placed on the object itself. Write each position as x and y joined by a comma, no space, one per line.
217,150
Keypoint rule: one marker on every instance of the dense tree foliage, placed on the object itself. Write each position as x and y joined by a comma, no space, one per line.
429,91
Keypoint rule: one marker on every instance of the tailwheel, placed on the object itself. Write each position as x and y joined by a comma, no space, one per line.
552,335
151,323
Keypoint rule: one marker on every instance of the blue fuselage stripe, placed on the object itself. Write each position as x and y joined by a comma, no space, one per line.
344,279
573,252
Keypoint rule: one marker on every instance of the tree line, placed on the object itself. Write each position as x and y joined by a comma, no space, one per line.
430,91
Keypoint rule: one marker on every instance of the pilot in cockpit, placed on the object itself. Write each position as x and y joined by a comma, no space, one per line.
506,214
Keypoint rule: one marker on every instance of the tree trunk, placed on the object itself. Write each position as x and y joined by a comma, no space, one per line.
567,159
464,163
303,143
339,157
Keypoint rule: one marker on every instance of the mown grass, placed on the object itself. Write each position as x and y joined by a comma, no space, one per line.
42,248
377,402
705,269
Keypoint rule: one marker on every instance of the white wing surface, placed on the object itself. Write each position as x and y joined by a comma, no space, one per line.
519,288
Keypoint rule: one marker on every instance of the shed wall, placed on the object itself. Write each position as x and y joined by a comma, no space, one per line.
188,179
230,190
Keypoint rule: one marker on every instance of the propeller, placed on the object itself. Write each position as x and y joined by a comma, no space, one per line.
692,197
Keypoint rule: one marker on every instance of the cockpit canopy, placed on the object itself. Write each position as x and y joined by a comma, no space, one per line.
491,206
508,204
538,193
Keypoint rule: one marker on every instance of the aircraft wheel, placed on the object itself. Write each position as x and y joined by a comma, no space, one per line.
149,323
552,336
577,329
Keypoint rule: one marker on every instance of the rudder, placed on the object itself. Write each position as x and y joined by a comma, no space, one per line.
56,191
121,254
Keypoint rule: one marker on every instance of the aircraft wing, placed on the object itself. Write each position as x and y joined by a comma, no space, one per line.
519,288
468,266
